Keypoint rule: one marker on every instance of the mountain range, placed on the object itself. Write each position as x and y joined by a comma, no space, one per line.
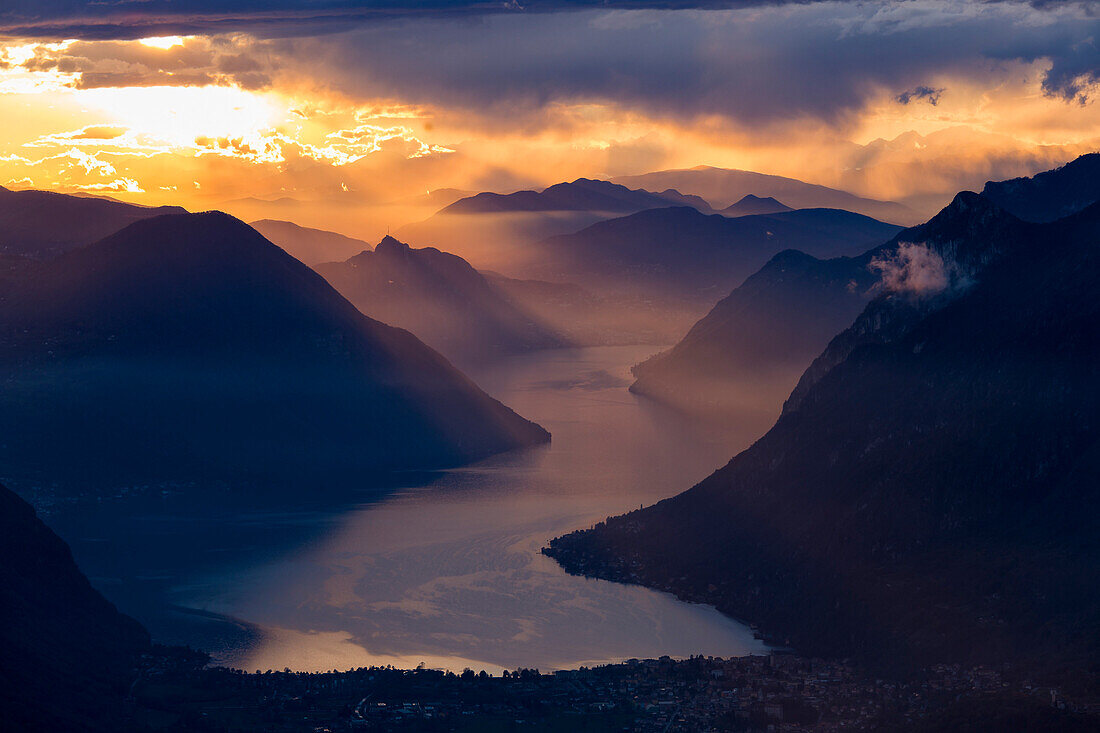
583,194
43,224
928,495
440,298
721,187
492,230
188,346
681,253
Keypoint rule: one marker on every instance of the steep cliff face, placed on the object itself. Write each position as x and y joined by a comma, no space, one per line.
935,494
68,654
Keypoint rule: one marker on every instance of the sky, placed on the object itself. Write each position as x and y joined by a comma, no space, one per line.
348,113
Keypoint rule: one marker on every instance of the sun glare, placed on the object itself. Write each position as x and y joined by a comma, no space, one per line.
163,42
178,115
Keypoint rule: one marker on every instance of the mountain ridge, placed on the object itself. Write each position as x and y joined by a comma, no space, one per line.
582,194
44,224
724,186
247,349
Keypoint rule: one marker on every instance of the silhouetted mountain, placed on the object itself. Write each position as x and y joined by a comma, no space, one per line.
441,299
311,246
42,224
1050,195
722,187
491,230
682,253
68,654
583,194
750,205
751,348
934,497
190,346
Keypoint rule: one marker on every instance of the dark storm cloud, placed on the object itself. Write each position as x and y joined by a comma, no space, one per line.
121,19
756,64
821,61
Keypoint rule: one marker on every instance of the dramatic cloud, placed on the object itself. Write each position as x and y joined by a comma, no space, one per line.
198,61
123,19
822,61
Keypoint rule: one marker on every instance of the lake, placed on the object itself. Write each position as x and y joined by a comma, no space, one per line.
441,568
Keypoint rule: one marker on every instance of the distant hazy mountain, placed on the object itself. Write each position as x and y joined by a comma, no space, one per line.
438,197
722,187
190,346
681,253
42,224
441,299
311,246
934,496
1050,195
750,205
491,230
583,194
68,653
750,349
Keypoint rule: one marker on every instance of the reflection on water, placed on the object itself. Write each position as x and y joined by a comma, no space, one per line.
446,570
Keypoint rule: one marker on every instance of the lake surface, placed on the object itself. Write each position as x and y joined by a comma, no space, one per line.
445,568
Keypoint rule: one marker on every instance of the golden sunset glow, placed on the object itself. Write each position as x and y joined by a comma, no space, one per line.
204,121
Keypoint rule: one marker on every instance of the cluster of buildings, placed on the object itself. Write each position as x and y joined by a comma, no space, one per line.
776,693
